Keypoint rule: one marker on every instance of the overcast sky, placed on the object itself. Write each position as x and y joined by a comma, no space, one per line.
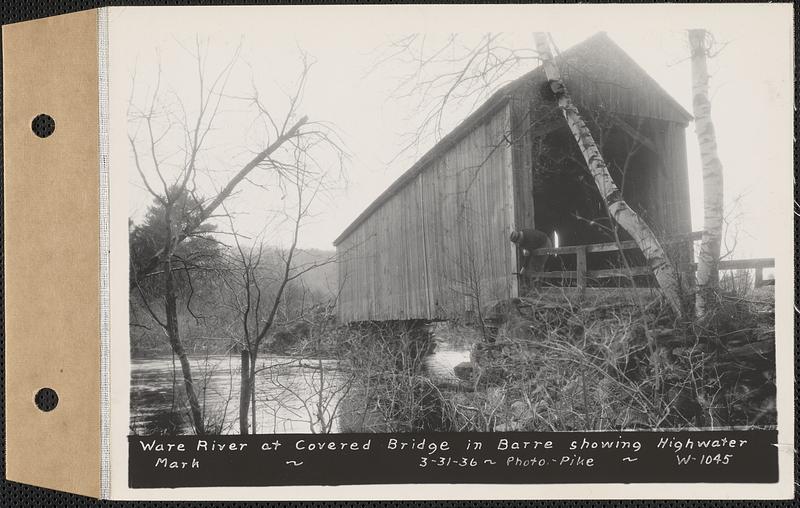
751,87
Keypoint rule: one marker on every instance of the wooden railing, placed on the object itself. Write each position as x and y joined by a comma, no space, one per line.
757,264
581,274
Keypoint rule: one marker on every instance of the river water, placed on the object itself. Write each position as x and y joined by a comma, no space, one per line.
293,395
439,365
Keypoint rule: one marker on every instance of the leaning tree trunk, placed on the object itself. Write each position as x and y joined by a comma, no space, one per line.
171,308
708,259
618,209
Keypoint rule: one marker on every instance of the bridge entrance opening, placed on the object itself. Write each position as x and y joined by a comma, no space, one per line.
568,204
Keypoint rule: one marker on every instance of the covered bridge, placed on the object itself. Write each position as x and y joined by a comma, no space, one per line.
435,244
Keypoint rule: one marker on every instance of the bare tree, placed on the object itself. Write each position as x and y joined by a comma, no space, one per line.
701,43
260,289
165,130
319,379
447,73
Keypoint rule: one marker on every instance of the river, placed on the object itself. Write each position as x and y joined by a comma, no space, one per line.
293,395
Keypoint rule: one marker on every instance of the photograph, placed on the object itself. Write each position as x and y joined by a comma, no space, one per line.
355,228
401,252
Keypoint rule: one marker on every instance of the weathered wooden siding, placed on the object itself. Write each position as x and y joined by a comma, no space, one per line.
672,193
435,243
522,162
673,181
438,247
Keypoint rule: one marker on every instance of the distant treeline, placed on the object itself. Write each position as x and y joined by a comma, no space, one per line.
209,296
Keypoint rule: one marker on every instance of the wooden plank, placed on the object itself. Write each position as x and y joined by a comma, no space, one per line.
507,173
518,136
680,175
595,274
619,272
566,274
745,264
613,246
521,164
581,267
426,266
635,133
434,207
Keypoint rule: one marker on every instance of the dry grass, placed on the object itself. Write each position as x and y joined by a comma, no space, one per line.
577,365
561,361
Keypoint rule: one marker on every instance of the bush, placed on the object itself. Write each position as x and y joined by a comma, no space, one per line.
620,366
574,364
390,392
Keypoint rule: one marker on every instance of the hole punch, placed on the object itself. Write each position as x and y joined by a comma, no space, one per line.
46,399
43,125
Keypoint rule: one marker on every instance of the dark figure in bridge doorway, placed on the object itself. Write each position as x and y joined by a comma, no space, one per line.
529,240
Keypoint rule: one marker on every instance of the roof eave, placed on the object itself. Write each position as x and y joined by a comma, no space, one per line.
498,100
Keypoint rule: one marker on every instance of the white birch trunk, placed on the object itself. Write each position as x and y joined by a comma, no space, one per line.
708,259
617,207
